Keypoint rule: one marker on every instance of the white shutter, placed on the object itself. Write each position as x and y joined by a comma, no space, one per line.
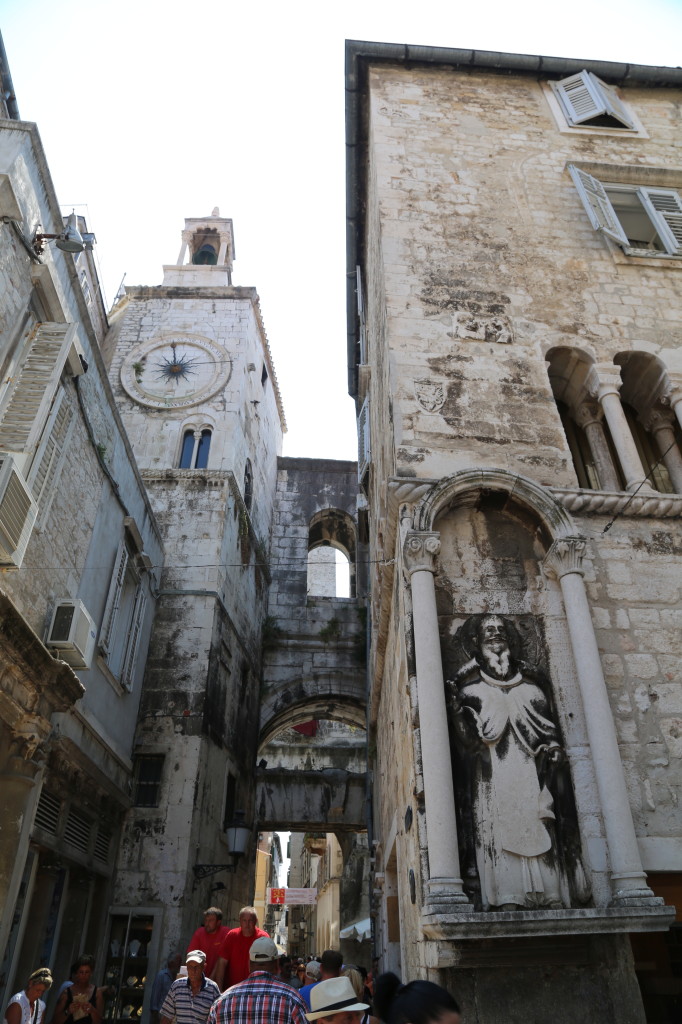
51,453
597,205
364,451
18,513
133,643
584,97
113,598
30,387
664,206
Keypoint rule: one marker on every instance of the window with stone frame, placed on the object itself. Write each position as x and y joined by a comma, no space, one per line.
120,633
587,102
196,445
147,773
642,220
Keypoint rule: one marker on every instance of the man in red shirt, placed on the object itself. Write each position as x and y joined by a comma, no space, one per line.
210,937
233,956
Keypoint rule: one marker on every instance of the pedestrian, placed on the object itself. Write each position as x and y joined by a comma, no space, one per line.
189,999
210,937
82,1002
418,1002
335,1001
312,978
26,1007
331,964
72,977
263,998
162,982
232,965
355,977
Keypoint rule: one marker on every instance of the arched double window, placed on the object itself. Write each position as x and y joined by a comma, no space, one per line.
195,448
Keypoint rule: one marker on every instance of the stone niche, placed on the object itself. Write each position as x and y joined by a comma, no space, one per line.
520,844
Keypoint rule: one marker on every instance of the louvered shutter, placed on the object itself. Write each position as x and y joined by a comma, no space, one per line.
18,513
364,451
133,644
664,206
113,598
597,205
584,97
31,385
51,453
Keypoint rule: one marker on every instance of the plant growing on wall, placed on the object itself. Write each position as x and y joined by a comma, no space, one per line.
331,632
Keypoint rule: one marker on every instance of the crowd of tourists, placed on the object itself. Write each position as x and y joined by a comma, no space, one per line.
239,976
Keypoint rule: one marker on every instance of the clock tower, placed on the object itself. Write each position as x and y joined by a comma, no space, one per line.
195,384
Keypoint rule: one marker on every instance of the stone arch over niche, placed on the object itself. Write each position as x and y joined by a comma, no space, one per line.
465,487
517,805
334,528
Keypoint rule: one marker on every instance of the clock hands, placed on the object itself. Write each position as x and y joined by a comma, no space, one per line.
178,367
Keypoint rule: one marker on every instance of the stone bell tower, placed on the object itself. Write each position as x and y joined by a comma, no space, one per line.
195,385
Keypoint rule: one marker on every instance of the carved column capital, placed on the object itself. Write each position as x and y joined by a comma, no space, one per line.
565,556
658,419
587,413
672,390
187,236
421,551
603,381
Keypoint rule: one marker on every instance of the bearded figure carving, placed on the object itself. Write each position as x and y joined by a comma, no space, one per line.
517,781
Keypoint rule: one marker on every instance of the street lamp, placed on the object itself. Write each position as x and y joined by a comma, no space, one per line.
237,836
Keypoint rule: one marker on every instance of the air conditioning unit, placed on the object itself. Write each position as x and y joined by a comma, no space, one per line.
72,633
18,512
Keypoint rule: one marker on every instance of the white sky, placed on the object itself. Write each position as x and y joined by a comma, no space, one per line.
154,111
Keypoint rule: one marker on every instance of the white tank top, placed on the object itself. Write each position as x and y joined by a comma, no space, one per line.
28,1016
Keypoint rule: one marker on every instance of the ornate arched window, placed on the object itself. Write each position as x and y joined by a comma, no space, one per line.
195,449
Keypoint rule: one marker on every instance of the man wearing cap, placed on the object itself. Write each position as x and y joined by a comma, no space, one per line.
335,1000
189,999
312,978
233,958
210,936
263,998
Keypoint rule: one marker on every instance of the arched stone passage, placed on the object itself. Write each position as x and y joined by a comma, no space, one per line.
335,695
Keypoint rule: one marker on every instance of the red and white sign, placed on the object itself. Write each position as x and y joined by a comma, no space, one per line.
292,897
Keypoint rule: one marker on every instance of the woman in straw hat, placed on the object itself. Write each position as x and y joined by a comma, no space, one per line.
26,1007
334,1000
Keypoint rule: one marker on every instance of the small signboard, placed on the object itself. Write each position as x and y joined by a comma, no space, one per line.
292,897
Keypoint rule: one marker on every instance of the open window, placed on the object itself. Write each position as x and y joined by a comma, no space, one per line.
196,445
331,554
587,101
644,221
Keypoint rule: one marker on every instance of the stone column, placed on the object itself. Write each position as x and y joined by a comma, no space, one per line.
606,388
444,885
589,416
222,255
186,239
628,879
20,779
195,449
660,424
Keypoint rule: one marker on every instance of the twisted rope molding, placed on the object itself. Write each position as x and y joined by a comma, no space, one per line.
662,506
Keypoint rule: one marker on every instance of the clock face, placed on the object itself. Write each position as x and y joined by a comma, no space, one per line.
176,371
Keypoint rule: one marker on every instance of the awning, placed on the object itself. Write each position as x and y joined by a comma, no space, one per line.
359,930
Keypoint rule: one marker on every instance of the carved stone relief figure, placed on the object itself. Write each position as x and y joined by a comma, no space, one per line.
513,779
473,327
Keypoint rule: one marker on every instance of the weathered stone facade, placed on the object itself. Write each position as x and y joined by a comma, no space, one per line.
66,730
514,361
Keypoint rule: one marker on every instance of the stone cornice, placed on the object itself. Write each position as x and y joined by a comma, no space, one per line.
606,503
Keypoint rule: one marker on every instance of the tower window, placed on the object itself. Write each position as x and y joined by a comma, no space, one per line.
264,375
205,256
195,449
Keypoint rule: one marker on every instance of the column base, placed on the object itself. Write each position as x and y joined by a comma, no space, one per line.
445,896
643,897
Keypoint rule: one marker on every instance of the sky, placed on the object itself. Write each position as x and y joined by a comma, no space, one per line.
153,111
